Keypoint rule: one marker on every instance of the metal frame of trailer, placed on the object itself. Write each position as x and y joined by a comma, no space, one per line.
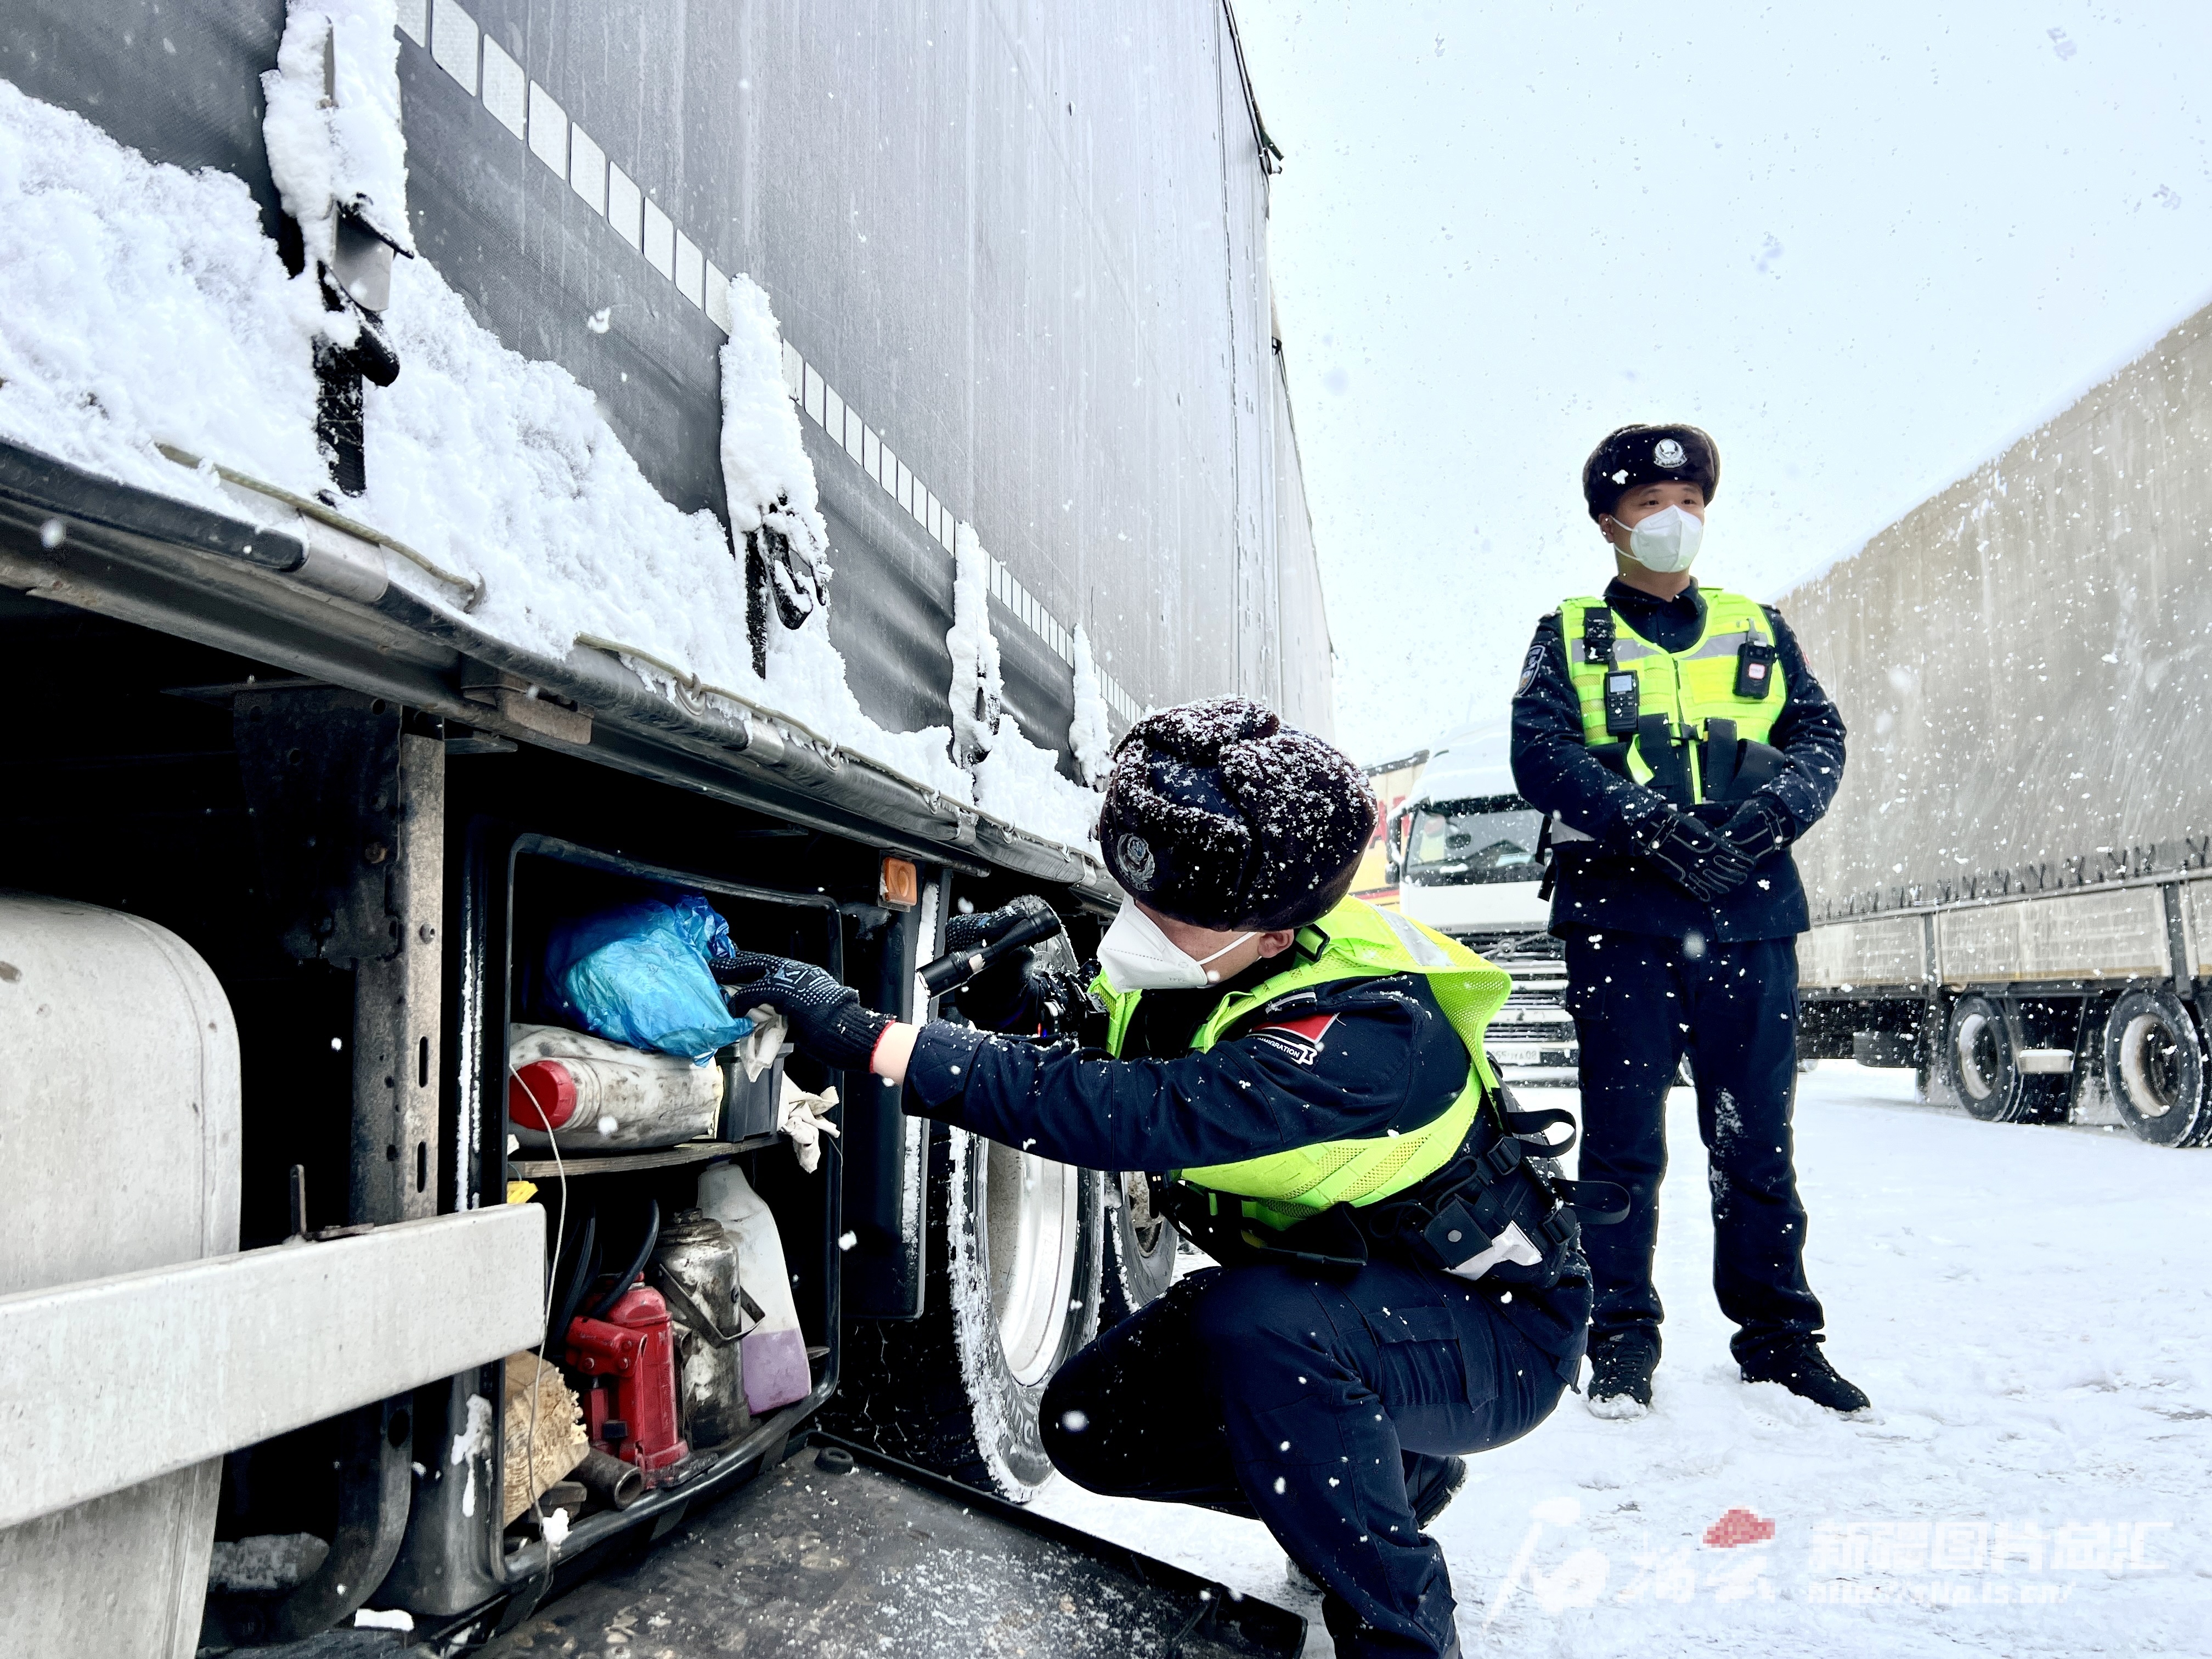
1887,986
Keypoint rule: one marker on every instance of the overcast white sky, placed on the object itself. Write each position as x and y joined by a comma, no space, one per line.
1865,246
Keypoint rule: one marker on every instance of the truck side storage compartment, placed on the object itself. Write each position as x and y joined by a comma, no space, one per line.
691,1301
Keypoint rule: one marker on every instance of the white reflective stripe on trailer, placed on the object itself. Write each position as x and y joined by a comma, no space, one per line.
112,1381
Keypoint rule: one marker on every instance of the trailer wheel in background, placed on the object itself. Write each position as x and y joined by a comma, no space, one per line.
1982,1055
1014,1252
1141,1246
2154,1068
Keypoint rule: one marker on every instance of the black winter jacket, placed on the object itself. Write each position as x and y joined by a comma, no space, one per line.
1602,885
1352,1058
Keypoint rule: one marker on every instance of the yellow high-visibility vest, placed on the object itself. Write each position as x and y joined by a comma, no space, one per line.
1354,941
1690,686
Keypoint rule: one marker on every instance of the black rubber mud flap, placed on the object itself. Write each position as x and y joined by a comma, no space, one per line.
863,1555
938,1391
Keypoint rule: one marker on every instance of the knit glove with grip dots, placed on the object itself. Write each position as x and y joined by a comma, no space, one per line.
827,1020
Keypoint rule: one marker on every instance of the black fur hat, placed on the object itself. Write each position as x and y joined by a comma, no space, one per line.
1638,455
1219,815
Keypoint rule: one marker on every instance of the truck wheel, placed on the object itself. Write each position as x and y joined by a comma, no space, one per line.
1014,1250
1140,1257
1983,1041
2154,1068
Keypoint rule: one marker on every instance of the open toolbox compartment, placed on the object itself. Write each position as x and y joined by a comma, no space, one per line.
519,887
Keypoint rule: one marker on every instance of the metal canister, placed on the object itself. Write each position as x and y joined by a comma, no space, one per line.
696,1267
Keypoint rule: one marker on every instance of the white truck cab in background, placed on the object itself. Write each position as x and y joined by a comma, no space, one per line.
1464,849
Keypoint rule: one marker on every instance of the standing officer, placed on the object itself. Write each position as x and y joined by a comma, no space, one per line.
1399,1284
1681,743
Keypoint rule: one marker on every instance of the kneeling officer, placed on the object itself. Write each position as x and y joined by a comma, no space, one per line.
1400,1282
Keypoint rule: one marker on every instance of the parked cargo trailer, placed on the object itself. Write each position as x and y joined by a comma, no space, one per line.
392,578
2011,893
1468,853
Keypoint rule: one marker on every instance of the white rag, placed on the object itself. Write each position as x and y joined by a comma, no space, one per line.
805,1119
758,1049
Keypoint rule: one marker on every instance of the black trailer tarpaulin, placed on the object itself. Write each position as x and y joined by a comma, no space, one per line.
1019,263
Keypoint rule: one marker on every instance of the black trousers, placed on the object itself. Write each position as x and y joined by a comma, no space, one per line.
1310,1405
1639,1004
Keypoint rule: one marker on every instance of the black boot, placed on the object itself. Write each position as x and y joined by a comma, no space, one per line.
1431,1483
1620,1374
1799,1365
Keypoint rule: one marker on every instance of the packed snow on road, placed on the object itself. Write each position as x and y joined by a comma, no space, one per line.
2028,1308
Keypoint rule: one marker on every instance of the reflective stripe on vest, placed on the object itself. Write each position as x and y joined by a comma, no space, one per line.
1690,686
1354,941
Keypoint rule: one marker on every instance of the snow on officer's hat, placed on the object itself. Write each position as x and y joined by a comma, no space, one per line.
1218,814
1638,455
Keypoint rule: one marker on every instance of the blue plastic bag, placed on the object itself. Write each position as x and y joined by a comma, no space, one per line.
638,975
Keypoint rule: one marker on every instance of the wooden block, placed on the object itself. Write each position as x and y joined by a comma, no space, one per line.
533,1463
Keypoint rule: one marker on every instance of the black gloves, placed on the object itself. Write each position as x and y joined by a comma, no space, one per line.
827,1019
1704,865
1019,991
1759,827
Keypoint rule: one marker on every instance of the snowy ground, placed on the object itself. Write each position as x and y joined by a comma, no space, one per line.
2030,1310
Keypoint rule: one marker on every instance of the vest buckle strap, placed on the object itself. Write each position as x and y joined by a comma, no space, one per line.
1501,1160
1598,635
1560,1229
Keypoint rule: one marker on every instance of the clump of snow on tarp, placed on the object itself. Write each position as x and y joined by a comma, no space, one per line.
770,485
492,464
807,680
1022,783
1090,735
766,472
977,688
140,303
347,150
1015,780
487,461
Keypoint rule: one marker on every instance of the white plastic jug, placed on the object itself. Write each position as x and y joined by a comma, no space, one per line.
600,1096
774,1351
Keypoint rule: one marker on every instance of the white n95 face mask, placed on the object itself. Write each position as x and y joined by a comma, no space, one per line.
1136,956
1667,541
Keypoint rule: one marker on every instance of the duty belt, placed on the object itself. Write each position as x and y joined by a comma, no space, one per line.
1458,1217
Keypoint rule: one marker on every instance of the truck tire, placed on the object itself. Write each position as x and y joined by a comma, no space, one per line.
1981,1044
1141,1247
2154,1068
1012,1290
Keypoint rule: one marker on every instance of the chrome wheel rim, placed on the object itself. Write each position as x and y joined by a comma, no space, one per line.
2149,1067
1977,1044
1032,1210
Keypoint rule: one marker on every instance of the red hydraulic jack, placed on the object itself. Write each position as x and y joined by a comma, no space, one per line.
629,1410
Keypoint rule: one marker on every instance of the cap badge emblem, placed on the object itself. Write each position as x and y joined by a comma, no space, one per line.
1137,862
1669,452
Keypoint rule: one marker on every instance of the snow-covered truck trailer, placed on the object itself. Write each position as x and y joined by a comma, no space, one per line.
1467,854
2011,893
467,468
